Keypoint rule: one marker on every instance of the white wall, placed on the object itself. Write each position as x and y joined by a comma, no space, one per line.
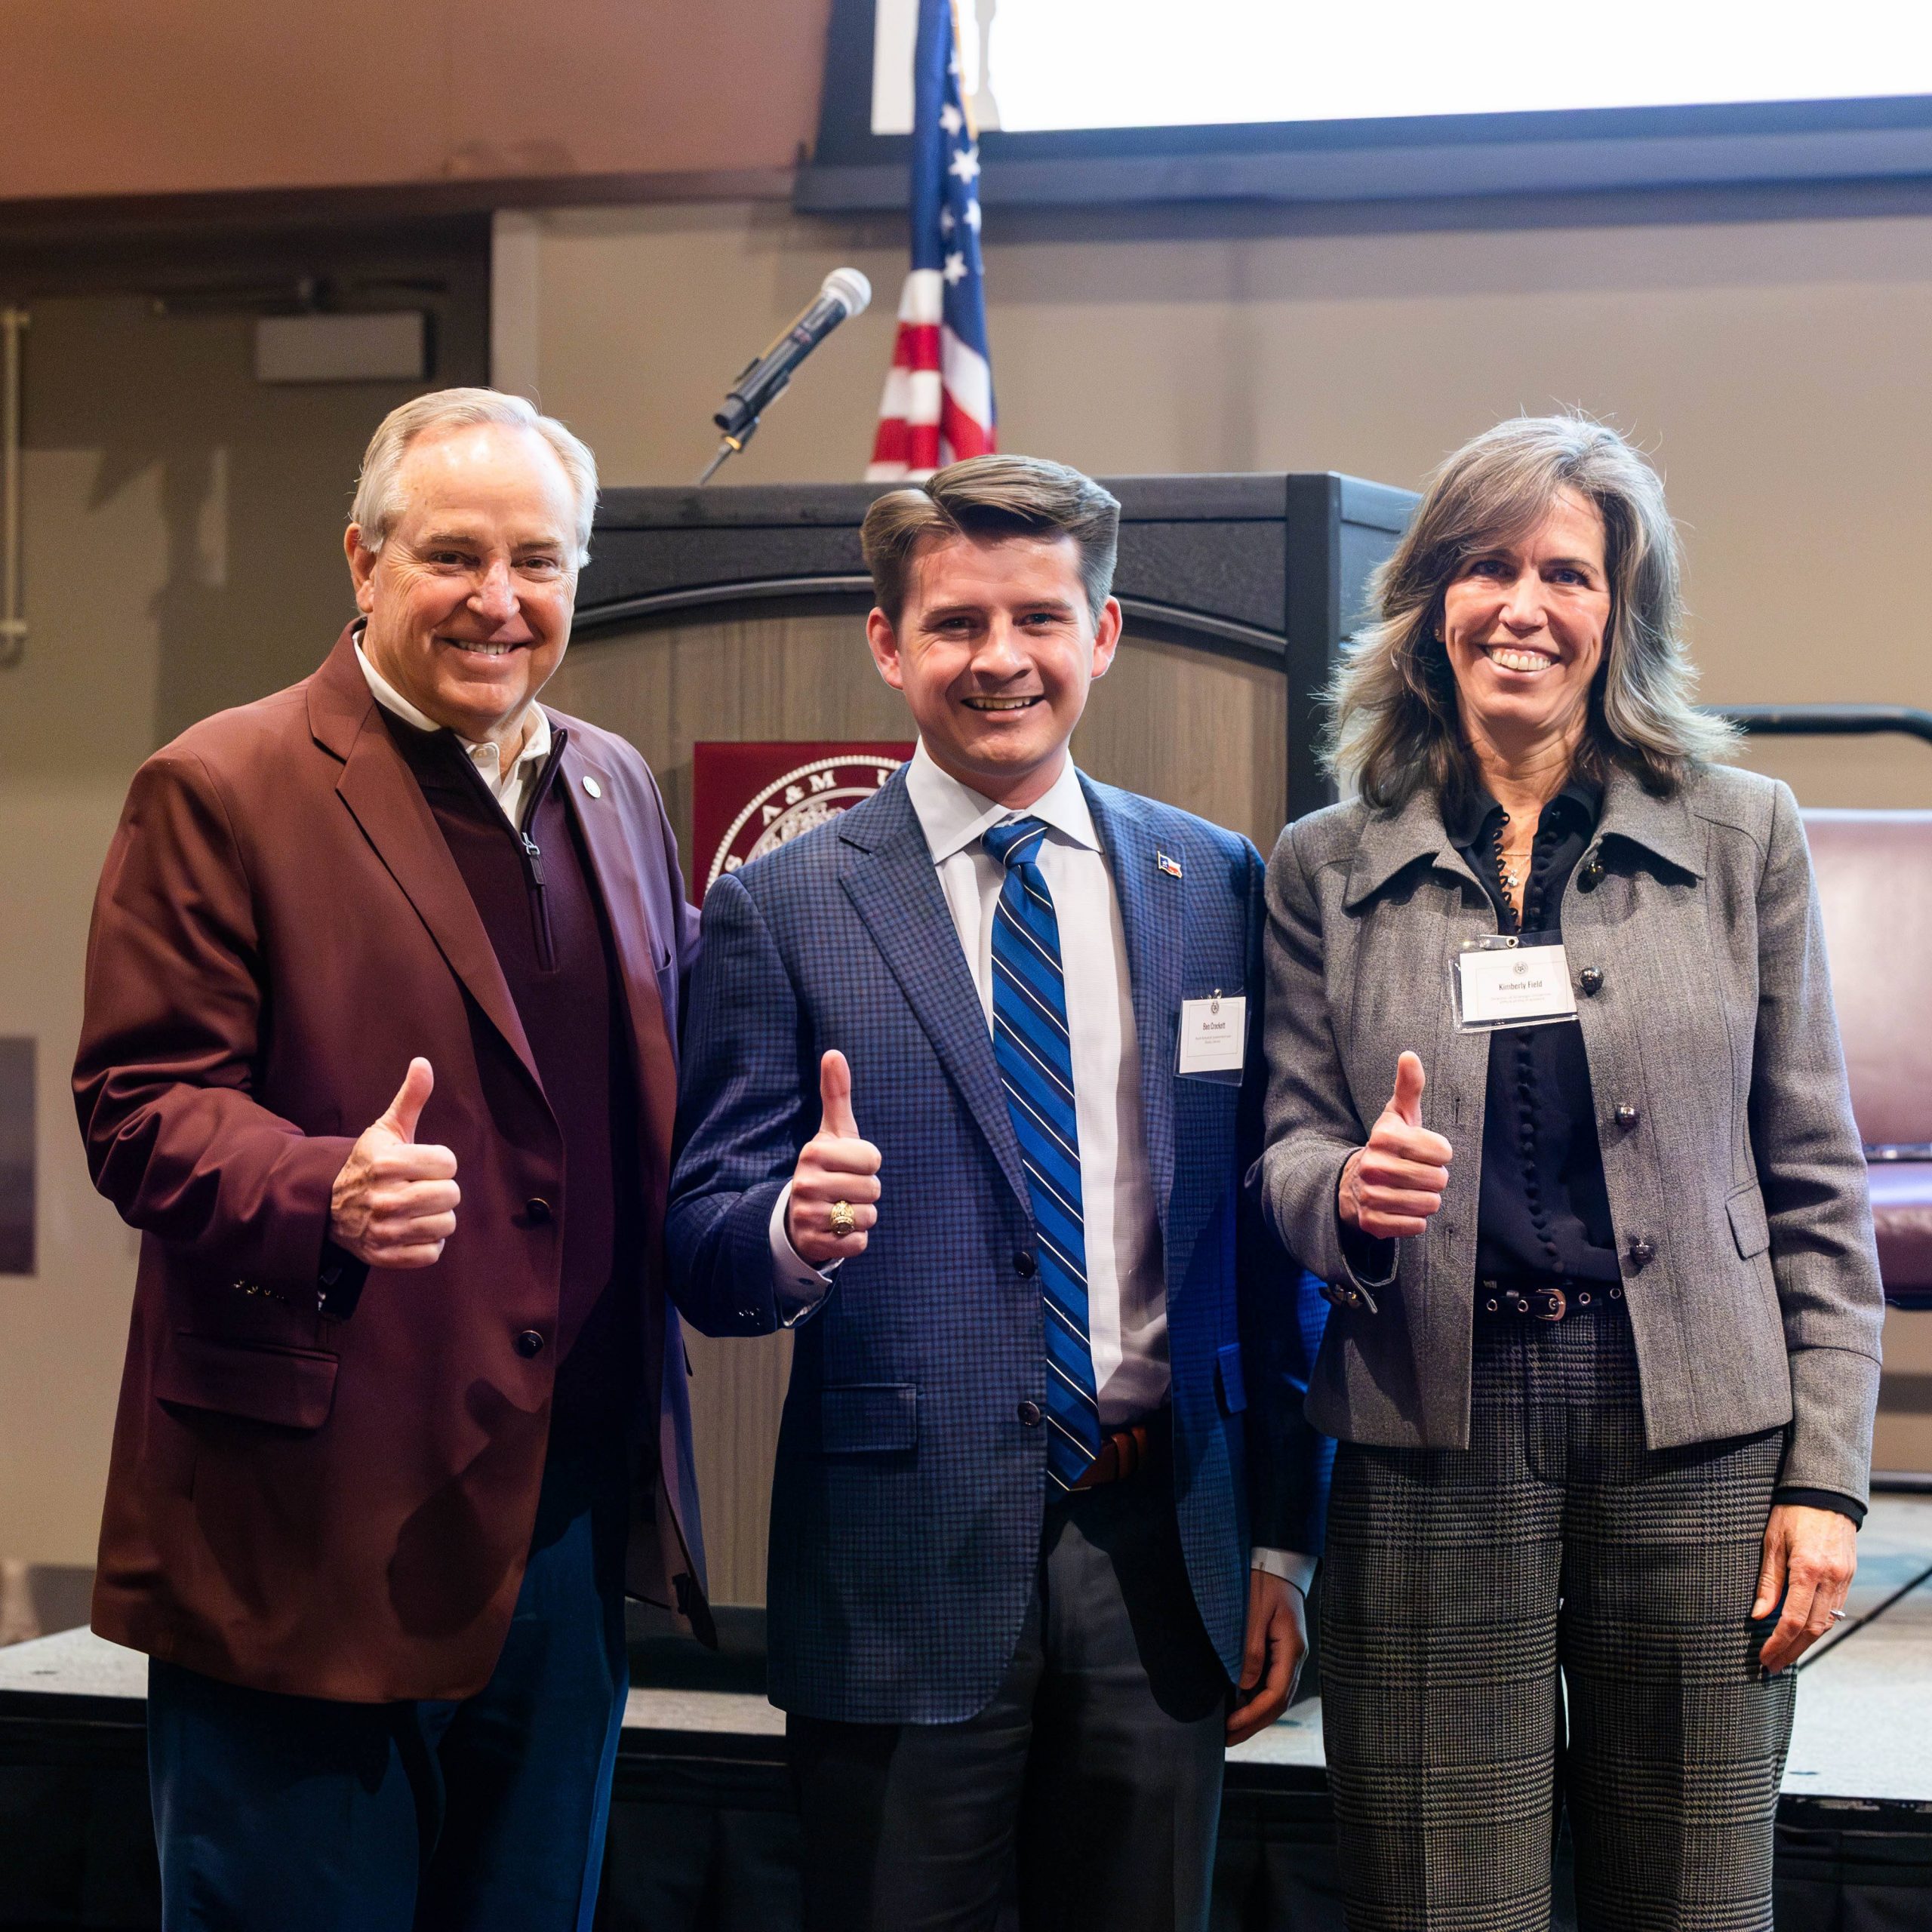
78,709
180,531
1780,372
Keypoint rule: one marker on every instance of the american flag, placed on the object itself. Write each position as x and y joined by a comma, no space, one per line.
938,405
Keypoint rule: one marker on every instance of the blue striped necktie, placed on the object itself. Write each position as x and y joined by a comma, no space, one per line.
1034,1053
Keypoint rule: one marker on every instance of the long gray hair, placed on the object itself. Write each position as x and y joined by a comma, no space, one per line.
1395,722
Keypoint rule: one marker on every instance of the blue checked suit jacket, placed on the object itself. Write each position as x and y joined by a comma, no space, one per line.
908,1497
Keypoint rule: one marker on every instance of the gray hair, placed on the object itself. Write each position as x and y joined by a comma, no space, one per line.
1394,719
374,510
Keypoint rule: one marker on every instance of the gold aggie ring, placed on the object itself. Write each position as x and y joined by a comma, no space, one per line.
844,1221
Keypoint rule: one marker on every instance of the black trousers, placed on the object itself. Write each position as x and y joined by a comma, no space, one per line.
1096,1766
1457,1583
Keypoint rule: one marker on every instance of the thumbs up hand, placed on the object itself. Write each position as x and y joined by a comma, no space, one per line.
1390,1187
393,1204
836,1170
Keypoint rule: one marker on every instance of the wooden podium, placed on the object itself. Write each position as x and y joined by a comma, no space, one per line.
737,614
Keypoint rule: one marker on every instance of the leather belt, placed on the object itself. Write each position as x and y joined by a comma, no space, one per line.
1542,1297
1128,1451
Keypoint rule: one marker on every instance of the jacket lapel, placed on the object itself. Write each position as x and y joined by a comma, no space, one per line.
1153,918
893,887
618,877
1392,840
1665,826
382,795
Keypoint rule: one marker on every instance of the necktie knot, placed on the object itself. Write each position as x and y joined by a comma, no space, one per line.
1017,842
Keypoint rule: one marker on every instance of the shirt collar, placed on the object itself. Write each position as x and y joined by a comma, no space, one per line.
1578,799
536,746
955,817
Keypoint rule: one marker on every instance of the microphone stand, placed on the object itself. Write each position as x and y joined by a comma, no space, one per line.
728,448
738,421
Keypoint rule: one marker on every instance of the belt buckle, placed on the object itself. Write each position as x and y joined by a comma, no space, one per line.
1559,1305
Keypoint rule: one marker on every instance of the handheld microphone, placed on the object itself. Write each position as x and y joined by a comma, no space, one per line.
762,380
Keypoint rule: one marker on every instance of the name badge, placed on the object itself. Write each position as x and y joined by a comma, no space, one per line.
1513,980
1214,1038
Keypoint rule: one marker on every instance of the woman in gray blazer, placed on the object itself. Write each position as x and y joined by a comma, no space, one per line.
1558,1109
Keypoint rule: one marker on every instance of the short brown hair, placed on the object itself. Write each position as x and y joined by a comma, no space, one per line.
991,497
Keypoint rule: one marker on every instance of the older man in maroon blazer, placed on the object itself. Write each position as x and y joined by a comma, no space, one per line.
378,1056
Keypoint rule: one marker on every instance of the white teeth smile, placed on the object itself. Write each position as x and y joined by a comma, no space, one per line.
1519,660
480,649
1000,703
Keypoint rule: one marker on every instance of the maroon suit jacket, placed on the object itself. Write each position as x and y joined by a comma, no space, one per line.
343,1508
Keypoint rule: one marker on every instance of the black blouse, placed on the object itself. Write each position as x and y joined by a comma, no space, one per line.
1544,1209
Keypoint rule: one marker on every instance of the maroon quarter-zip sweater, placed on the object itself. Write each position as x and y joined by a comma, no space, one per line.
538,900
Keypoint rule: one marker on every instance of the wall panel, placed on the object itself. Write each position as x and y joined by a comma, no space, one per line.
125,97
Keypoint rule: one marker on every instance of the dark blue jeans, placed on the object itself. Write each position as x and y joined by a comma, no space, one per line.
307,1816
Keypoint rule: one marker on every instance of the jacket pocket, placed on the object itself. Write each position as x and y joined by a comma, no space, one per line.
1749,1226
291,1388
868,1418
1228,1377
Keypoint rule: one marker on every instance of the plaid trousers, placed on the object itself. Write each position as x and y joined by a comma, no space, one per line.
1457,1583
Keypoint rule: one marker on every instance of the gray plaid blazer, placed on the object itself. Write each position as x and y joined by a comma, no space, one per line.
1738,1189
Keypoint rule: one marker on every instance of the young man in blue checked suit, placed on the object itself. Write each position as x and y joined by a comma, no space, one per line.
1045,1506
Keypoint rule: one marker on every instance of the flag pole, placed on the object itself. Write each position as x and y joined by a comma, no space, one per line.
959,55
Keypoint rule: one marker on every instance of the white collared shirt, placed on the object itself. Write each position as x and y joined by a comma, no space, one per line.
508,788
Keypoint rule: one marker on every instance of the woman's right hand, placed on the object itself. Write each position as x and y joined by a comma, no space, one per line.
1390,1187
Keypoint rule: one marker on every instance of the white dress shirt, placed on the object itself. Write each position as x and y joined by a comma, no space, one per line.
1126,1295
509,788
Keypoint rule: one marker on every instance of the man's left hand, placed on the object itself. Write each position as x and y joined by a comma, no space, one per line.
1277,1642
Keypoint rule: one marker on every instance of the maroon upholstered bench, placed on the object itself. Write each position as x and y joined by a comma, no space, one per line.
1874,880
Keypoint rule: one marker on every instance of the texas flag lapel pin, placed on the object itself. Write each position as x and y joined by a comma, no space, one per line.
1171,866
